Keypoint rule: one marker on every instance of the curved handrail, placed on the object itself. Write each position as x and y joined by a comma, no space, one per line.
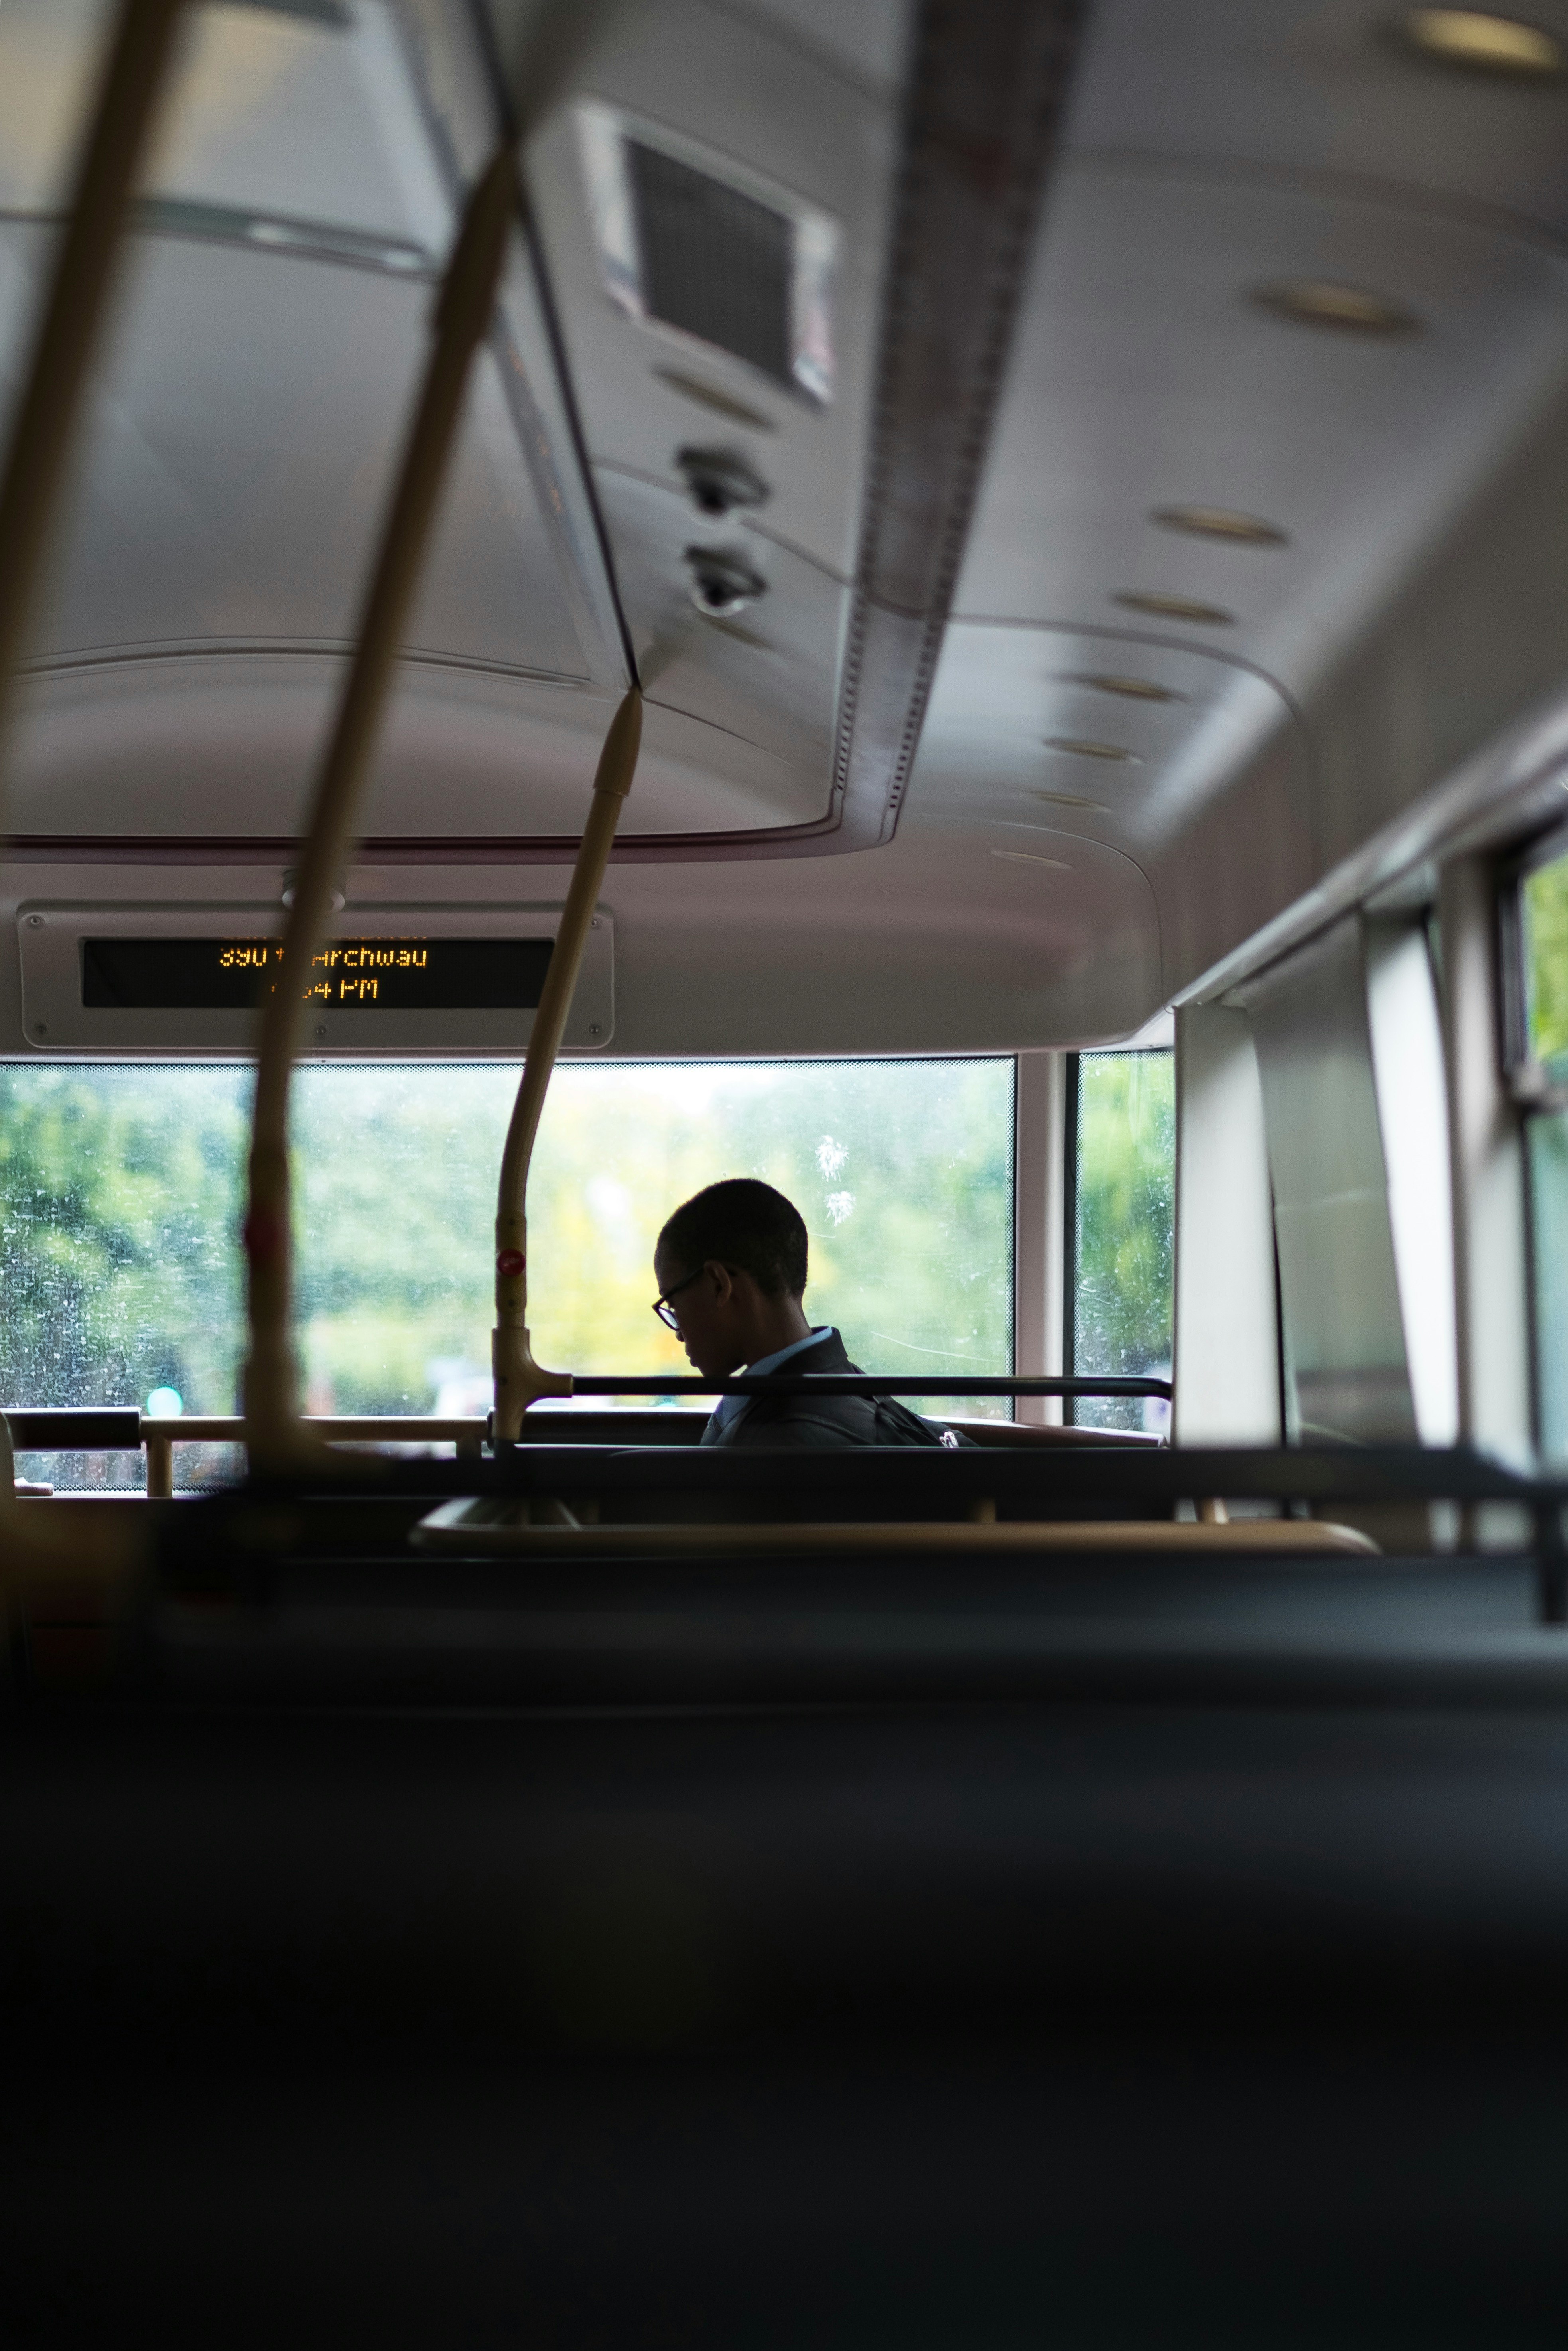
49,413
42,437
275,1434
519,1381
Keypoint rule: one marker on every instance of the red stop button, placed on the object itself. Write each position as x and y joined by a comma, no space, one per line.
510,1261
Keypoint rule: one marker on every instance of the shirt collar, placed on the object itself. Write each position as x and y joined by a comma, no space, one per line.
727,1406
796,1347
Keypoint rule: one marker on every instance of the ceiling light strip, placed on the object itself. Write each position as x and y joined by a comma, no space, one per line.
1221,523
1131,689
1483,43
1342,309
1174,608
1078,748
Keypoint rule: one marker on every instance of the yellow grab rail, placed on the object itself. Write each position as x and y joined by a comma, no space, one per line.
519,1381
43,436
275,1434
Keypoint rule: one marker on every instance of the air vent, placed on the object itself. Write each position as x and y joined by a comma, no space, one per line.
719,480
723,584
690,241
714,263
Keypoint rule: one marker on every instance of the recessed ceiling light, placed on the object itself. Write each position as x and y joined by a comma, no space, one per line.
1324,302
1172,608
1081,749
1132,689
1467,36
1029,857
1220,522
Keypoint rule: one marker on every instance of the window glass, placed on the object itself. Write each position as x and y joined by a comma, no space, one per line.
1542,993
121,1195
1546,1140
1543,926
1125,1191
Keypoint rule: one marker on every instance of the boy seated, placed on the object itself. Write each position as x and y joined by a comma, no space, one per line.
731,1269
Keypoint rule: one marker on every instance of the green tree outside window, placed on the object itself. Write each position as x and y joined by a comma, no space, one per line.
1125,1228
120,1204
1544,905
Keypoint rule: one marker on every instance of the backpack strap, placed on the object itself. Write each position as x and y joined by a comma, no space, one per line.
896,1425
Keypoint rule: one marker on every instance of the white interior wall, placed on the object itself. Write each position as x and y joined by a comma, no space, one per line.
1226,1358
1412,1116
1490,1253
1039,1198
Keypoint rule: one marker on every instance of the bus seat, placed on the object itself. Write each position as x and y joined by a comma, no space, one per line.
507,1523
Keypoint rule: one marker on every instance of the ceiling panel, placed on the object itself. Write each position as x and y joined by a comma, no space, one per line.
1042,745
755,107
269,111
238,458
758,674
1106,730
223,744
789,121
1411,605
1324,89
236,467
1145,377
242,446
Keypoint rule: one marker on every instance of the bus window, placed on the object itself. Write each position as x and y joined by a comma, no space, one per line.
1122,1139
121,1195
1543,942
1537,992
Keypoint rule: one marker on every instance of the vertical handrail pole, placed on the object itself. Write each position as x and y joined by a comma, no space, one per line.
38,461
43,432
159,1467
518,1379
274,1434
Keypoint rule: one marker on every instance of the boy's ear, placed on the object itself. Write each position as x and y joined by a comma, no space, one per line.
722,1279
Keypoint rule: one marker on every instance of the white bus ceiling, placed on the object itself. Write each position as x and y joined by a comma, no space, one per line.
1329,557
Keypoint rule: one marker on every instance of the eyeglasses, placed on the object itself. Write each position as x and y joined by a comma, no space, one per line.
662,1304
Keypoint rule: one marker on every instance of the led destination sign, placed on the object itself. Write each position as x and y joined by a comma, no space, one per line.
351,975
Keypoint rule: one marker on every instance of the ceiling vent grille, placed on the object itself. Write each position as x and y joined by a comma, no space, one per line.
715,263
690,241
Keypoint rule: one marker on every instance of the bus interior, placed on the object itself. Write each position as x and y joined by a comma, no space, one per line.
961,606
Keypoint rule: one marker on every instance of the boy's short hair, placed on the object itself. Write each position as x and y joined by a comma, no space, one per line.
742,1223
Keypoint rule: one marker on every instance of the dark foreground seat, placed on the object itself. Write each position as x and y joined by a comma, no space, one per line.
944,1953
1098,2023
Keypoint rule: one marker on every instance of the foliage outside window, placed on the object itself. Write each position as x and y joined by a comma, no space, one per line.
120,1201
1541,993
1123,1254
1543,940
